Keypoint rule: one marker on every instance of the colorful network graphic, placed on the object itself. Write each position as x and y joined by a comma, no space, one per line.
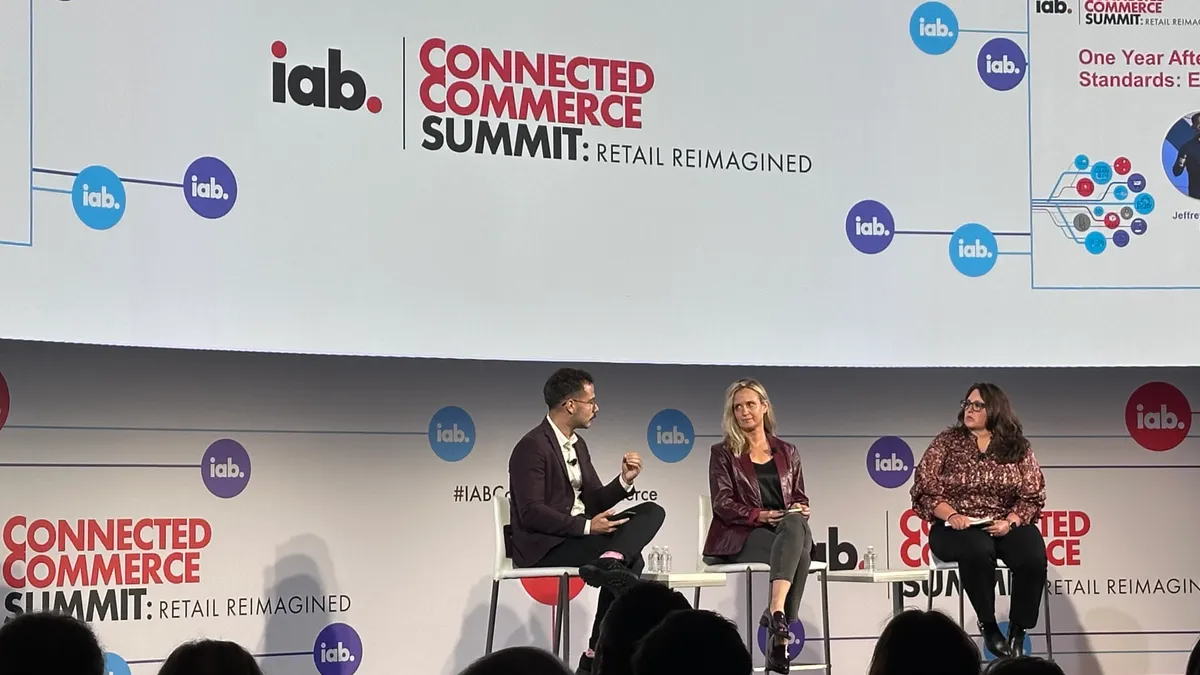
99,197
1094,203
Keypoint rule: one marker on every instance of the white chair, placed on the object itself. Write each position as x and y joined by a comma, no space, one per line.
936,565
817,567
503,569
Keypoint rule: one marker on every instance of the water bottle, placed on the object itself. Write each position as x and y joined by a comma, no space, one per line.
869,559
652,563
666,559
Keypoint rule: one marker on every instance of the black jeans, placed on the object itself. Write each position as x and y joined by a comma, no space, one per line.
787,548
1024,551
628,540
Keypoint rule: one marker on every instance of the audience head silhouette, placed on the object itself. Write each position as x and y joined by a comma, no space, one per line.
929,643
1025,665
514,660
632,615
210,657
692,642
1193,664
41,643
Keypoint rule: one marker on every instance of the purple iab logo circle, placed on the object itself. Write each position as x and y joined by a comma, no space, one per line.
870,227
795,643
890,462
225,468
1001,64
338,650
209,187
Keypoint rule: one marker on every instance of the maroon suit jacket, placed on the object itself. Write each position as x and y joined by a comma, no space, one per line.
736,501
541,494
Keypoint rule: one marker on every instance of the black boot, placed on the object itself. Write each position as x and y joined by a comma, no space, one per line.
1016,640
778,634
610,574
993,639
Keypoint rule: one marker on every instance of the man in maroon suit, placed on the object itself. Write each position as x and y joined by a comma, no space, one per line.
563,516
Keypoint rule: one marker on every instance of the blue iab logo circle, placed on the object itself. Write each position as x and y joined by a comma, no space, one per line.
338,650
890,462
98,196
933,28
973,250
670,435
451,433
115,665
795,644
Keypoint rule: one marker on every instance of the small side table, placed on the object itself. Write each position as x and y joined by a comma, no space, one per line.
686,579
894,577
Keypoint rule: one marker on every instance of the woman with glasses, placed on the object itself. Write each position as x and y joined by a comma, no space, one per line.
982,491
760,511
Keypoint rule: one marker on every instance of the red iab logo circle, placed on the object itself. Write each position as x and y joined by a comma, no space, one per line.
1158,416
545,589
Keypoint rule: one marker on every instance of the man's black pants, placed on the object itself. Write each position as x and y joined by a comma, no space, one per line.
628,540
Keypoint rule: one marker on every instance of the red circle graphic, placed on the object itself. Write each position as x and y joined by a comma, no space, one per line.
545,589
1158,416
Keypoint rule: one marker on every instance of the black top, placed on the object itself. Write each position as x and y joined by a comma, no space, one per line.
769,487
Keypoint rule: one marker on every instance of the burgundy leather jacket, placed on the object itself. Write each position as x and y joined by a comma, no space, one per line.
736,501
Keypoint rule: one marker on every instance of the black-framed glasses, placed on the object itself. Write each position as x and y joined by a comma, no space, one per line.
973,405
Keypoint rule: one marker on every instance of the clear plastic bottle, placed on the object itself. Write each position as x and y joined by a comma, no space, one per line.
869,559
666,559
652,560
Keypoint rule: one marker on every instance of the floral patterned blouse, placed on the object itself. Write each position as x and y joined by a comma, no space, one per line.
953,470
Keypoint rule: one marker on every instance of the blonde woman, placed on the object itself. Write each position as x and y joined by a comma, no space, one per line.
760,511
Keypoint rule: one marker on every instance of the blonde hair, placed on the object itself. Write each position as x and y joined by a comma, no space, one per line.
735,438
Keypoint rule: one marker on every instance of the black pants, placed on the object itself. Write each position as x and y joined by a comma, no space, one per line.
787,547
628,540
1024,551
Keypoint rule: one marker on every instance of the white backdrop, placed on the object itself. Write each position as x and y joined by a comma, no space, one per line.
338,495
871,165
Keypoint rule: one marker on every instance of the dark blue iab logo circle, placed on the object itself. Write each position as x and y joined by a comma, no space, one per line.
209,187
795,641
115,665
98,197
933,28
338,650
973,250
1001,64
890,462
451,433
225,468
870,227
670,435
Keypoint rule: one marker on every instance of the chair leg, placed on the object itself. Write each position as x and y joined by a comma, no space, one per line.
1049,631
696,599
565,582
962,609
491,630
557,627
929,605
750,612
825,622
